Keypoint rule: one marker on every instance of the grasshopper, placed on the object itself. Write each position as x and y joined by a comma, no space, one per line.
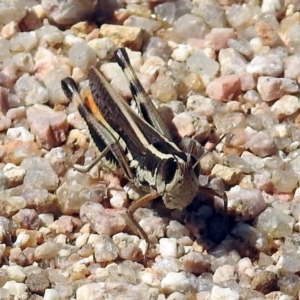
140,143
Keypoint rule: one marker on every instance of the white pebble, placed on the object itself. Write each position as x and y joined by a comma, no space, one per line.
22,239
118,198
245,204
20,134
15,273
218,293
105,249
82,56
51,294
265,65
168,247
285,106
104,47
46,219
16,288
15,174
179,282
225,273
82,239
245,267
181,53
71,40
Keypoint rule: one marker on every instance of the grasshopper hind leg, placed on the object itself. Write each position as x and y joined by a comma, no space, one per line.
134,206
87,168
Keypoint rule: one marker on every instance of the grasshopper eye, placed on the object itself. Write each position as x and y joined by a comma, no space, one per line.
168,169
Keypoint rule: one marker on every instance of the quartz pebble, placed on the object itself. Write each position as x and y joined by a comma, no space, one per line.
245,204
70,13
39,174
181,282
128,246
147,24
100,289
274,88
276,223
48,250
196,262
268,65
211,12
49,126
224,88
155,227
190,26
291,69
165,266
10,205
14,174
13,11
103,222
105,249
289,262
245,267
231,62
103,47
261,144
123,35
82,56
20,133
218,38
285,106
224,273
229,175
16,289
79,189
168,247
219,293
202,64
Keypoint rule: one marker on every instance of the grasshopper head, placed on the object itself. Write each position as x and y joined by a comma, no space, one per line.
177,181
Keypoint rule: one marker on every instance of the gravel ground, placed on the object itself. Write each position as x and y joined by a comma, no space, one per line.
213,68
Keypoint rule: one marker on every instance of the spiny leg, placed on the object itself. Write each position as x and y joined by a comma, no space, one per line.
134,206
87,168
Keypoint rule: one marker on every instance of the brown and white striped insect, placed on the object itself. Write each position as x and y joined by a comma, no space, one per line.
140,144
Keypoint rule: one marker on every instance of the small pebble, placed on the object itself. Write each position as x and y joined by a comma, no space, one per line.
224,273
245,204
224,88
168,247
228,175
49,126
103,222
267,65
196,262
265,282
274,88
37,282
276,223
123,36
179,282
105,249
285,106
